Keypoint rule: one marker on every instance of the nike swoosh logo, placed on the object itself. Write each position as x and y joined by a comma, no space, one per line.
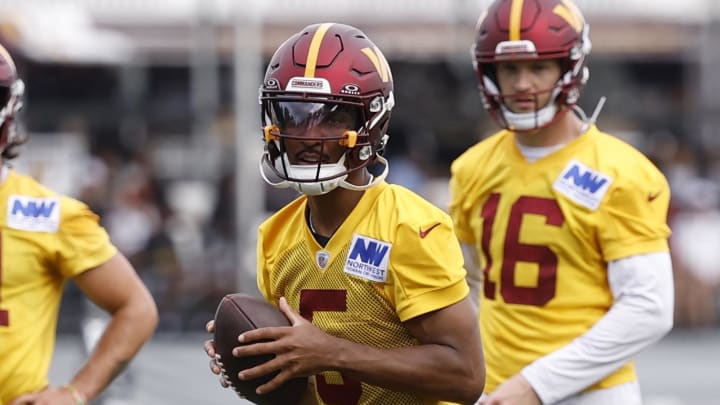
653,196
425,233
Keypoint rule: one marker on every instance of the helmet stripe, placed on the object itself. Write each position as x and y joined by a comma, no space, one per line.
315,49
6,55
515,17
569,11
481,19
377,59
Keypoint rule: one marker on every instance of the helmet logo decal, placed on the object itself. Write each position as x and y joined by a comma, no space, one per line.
322,258
379,61
570,13
351,89
272,84
309,84
515,17
314,50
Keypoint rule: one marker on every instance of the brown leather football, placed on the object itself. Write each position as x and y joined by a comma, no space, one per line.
238,313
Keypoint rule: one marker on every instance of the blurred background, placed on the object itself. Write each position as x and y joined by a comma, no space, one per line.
148,112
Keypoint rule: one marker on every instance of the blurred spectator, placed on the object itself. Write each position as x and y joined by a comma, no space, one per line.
695,242
136,218
411,151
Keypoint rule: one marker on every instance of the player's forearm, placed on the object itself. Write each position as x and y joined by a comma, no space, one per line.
128,330
641,315
431,371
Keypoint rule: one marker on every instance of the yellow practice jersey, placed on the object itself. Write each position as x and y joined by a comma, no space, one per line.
394,258
45,238
545,232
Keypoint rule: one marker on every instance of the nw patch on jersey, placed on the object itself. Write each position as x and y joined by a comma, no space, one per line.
582,184
368,258
33,214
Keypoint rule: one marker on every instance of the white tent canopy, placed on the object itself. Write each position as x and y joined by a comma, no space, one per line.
111,31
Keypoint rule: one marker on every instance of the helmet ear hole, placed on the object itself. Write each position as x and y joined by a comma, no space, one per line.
381,136
381,145
364,153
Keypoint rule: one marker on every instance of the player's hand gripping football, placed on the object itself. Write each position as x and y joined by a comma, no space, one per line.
48,396
300,350
215,362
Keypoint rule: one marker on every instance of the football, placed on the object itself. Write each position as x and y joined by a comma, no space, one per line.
238,313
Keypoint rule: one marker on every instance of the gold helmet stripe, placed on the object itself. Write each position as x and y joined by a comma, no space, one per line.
315,49
515,18
570,12
378,60
6,55
481,19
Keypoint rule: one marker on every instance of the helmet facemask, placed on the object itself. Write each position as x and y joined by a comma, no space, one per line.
304,135
527,121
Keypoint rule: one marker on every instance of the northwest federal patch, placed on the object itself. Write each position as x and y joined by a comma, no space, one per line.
582,184
33,214
368,258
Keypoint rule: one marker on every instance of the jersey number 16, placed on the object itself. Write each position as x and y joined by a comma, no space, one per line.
515,251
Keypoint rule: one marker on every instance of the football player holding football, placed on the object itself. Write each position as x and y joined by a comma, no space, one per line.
370,274
46,239
563,226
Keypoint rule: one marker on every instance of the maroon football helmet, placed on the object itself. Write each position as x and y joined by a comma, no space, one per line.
539,29
328,75
11,93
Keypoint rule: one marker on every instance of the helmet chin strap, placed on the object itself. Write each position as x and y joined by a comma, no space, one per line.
313,188
374,180
531,120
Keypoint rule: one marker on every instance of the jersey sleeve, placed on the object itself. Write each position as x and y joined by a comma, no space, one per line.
634,218
84,243
428,272
263,273
459,208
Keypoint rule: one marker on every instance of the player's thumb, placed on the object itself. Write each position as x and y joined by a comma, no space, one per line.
25,399
290,313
